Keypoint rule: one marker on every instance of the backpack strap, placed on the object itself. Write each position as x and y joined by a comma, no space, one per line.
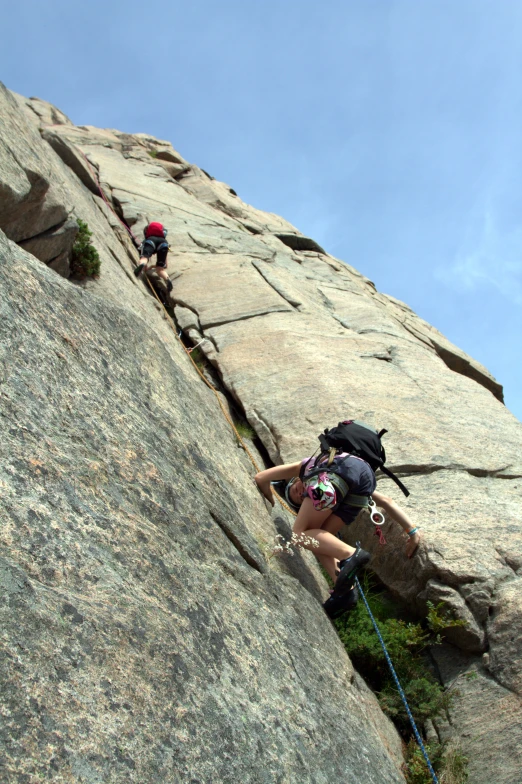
360,501
325,446
334,471
395,479
342,487
345,497
328,467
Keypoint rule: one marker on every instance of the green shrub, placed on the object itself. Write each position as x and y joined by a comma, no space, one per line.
454,766
440,618
85,260
153,153
406,642
425,696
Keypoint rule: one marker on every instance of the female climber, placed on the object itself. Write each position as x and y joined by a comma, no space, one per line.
323,506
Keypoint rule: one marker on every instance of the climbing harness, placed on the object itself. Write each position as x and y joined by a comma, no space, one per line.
398,684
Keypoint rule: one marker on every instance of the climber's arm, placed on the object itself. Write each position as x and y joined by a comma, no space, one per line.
398,514
263,478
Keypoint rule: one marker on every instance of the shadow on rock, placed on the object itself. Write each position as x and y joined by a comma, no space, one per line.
295,565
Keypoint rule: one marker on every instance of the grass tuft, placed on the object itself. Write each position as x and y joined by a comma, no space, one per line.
448,761
199,358
244,430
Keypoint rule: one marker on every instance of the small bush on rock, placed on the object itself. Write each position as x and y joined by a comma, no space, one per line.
425,696
415,768
406,643
85,259
440,618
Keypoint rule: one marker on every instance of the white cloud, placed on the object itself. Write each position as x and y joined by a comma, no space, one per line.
491,256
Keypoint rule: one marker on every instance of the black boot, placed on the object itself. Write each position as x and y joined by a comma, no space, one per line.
169,285
338,604
139,269
350,566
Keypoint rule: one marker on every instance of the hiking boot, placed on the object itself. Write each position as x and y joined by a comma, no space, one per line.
139,269
349,567
338,604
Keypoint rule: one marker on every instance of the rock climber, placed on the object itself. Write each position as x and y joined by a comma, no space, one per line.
154,242
321,515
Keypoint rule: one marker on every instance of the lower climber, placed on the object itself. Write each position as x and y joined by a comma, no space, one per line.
322,511
154,242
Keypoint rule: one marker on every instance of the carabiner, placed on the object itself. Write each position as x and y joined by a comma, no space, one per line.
376,517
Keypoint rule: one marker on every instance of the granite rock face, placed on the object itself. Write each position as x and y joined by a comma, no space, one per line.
32,206
145,637
299,340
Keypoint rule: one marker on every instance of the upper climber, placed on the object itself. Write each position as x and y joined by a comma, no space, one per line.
154,242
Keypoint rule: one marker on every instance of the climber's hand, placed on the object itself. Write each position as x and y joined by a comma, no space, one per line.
412,544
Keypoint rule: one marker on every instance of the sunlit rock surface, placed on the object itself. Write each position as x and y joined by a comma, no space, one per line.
147,636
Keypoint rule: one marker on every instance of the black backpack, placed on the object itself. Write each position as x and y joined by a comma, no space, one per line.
357,439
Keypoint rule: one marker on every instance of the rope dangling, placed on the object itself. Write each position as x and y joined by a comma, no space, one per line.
399,687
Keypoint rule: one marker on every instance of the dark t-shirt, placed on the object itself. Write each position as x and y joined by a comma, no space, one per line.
357,474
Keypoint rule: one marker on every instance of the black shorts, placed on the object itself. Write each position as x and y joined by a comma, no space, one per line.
157,245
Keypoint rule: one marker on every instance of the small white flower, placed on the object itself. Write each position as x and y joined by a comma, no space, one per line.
288,546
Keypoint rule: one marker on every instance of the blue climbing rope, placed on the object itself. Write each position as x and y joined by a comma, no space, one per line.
401,691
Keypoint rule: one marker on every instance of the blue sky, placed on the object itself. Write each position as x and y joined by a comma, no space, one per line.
390,131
